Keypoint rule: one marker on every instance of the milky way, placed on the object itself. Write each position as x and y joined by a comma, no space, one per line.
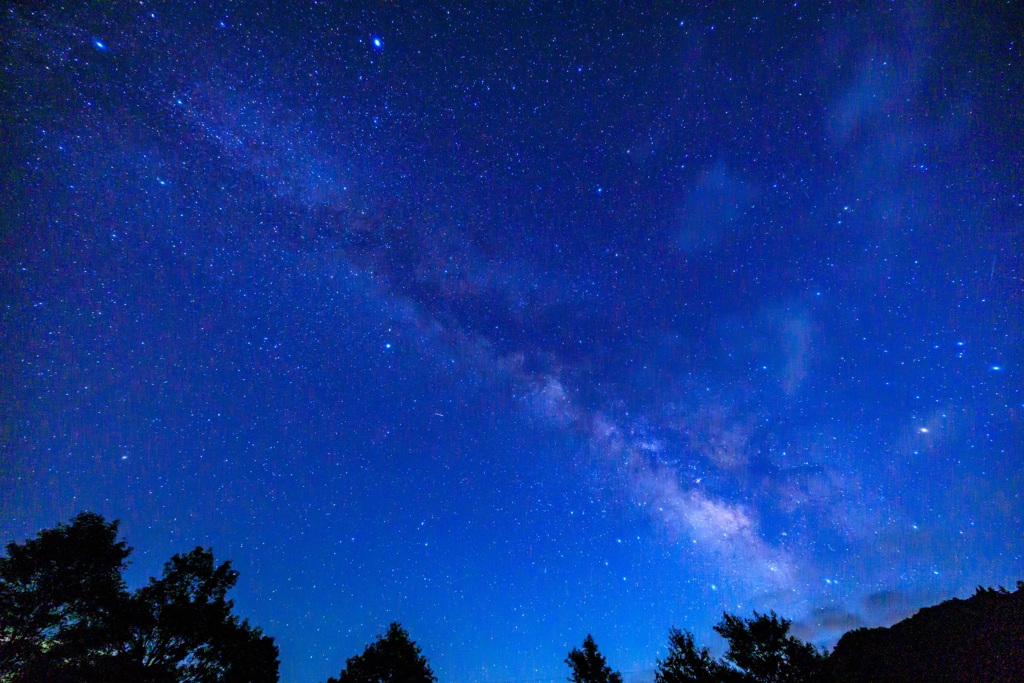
520,324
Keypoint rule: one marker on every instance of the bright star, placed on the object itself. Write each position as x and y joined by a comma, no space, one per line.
377,44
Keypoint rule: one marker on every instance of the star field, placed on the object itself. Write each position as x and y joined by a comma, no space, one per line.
517,323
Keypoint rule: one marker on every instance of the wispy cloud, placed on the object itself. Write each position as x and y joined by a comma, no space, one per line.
713,209
794,330
826,623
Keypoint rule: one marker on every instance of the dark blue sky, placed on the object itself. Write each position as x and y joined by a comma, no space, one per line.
520,324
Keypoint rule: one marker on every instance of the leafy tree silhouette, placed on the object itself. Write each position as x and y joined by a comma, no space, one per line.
762,651
685,664
66,615
589,666
392,658
62,602
185,630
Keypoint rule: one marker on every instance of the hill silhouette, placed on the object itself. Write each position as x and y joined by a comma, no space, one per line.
980,639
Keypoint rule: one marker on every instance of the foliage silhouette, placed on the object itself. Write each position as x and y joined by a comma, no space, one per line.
185,628
66,615
685,664
589,666
762,651
62,600
392,658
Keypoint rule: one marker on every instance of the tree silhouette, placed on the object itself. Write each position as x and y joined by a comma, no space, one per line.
685,664
66,615
186,632
61,601
762,651
589,666
392,658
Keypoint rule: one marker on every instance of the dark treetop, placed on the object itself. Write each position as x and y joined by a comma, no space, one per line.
392,658
67,617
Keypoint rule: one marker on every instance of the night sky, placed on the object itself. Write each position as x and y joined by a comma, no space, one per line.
520,321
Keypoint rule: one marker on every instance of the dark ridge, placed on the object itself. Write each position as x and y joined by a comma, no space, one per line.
980,639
